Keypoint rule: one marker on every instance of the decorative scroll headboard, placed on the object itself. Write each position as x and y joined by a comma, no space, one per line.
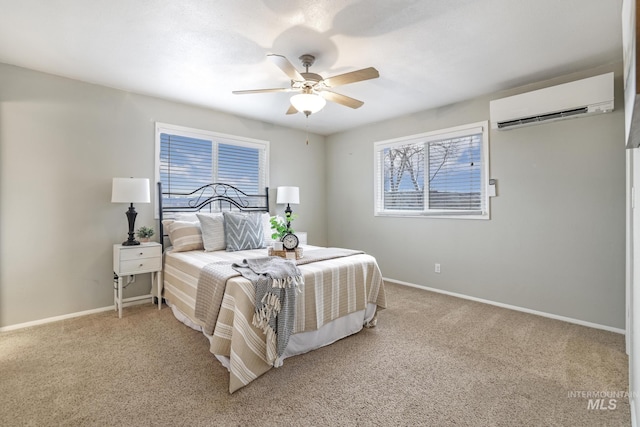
216,197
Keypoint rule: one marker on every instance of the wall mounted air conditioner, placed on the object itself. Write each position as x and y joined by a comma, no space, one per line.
575,99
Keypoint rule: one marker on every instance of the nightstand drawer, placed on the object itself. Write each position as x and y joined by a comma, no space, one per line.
140,252
143,265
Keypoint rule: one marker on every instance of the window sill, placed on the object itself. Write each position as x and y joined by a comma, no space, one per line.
439,215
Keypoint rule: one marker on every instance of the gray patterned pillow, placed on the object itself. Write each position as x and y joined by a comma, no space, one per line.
212,226
243,231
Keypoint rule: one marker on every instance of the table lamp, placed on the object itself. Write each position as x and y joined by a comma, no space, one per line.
130,190
288,195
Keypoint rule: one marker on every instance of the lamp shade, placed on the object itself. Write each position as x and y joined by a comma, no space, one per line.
308,103
288,195
130,190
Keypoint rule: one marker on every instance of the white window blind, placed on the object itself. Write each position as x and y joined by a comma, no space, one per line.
442,173
190,158
185,163
240,167
455,178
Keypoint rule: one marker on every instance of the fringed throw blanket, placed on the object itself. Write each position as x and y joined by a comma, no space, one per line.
276,281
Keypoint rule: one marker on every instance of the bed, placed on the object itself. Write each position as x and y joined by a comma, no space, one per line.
339,293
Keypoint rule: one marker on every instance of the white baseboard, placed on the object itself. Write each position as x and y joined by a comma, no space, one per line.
68,316
399,282
510,307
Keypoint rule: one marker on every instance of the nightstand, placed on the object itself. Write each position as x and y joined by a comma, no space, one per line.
302,237
132,260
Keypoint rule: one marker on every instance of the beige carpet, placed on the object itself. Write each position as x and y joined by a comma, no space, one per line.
433,360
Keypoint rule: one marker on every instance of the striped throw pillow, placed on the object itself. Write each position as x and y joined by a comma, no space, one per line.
184,235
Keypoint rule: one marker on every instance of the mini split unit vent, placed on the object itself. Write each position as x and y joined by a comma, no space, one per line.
569,100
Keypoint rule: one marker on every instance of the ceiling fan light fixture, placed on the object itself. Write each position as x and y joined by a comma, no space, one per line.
308,103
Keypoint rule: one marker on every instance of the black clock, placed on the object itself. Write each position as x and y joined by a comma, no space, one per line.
290,241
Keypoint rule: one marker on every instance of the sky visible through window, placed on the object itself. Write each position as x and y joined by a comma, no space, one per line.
187,163
240,167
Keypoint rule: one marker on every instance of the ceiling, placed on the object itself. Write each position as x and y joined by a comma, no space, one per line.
429,53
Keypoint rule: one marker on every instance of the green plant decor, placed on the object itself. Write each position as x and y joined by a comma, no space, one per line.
145,232
279,226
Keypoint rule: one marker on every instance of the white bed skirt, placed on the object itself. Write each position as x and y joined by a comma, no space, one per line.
304,342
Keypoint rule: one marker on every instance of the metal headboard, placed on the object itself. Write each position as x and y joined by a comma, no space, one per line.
215,197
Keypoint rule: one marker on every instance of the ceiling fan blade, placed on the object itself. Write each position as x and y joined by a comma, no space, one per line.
352,77
244,92
292,110
341,99
286,66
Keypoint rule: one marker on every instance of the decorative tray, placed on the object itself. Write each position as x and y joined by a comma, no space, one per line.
296,254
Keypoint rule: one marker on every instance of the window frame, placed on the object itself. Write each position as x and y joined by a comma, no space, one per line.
215,138
426,138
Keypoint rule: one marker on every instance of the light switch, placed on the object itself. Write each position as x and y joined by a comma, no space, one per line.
492,188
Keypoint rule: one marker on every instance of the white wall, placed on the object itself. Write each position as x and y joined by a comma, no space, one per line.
556,239
61,143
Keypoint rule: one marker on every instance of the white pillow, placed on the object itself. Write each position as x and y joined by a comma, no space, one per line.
186,216
193,216
212,226
266,227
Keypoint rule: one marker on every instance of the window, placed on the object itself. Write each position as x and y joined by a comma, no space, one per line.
187,159
442,173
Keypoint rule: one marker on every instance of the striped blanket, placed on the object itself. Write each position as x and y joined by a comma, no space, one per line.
337,282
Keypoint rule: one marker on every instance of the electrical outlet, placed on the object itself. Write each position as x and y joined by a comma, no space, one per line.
437,268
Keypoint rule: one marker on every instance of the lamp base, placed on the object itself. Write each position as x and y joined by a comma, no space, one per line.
287,214
131,218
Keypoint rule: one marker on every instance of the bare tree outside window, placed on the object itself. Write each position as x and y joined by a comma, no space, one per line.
404,177
437,175
439,154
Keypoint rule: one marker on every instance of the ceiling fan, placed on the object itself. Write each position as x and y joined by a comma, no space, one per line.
313,89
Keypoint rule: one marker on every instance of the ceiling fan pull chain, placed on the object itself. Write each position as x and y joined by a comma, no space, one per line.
307,126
